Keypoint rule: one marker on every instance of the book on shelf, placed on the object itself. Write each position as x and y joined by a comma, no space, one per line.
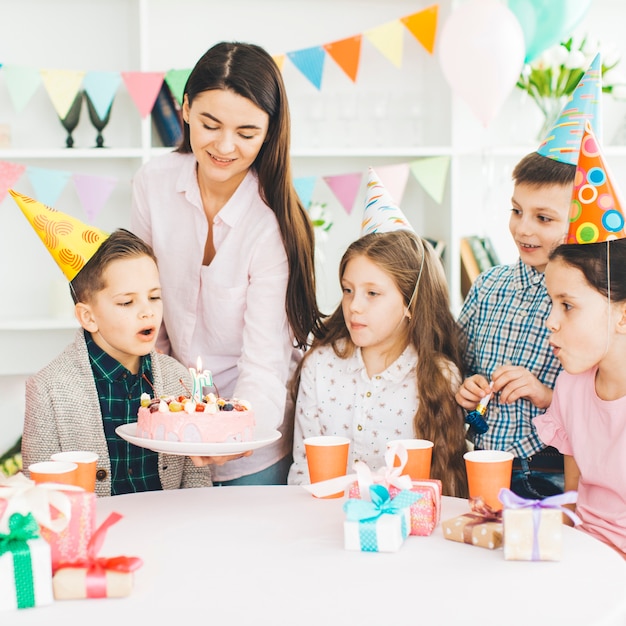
167,117
477,256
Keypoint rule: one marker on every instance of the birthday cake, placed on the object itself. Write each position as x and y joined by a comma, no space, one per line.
212,420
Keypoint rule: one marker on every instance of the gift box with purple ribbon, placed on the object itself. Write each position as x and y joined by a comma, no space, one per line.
533,528
380,524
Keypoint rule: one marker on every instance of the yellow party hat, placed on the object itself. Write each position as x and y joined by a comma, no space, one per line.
596,213
70,242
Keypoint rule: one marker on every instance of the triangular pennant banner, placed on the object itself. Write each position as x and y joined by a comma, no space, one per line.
423,26
62,87
22,82
10,173
143,88
310,61
394,178
93,192
431,173
388,40
346,53
101,88
279,59
345,187
48,184
176,81
304,188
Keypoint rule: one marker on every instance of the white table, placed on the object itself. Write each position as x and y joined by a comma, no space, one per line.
274,555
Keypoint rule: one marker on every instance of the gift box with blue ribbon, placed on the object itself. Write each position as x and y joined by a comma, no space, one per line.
380,524
25,565
533,528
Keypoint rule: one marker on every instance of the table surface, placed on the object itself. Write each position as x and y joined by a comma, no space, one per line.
274,555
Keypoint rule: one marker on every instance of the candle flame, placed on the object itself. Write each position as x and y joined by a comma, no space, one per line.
199,365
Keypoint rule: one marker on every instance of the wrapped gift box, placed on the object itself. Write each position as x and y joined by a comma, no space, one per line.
383,534
533,528
482,526
25,566
70,544
95,576
425,512
532,534
72,583
380,524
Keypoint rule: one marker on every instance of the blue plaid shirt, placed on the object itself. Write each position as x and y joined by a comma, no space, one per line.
132,468
503,320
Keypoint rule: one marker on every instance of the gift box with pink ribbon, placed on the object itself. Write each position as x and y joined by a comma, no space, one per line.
533,528
424,512
66,514
379,524
482,526
95,576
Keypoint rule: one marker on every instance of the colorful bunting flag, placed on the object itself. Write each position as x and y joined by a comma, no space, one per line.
48,184
388,40
304,188
176,81
101,88
21,82
310,61
394,178
423,26
279,59
347,54
345,187
93,192
143,88
431,173
10,173
62,87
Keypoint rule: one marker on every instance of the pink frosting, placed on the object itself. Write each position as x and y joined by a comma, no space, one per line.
220,427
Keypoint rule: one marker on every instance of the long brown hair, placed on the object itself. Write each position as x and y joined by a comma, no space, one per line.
431,330
249,71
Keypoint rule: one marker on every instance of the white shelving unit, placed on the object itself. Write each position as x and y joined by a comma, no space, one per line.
390,115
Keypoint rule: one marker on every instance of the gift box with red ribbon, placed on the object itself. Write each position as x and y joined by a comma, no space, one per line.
94,576
482,526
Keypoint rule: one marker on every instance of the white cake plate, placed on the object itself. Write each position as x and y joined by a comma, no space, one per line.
185,448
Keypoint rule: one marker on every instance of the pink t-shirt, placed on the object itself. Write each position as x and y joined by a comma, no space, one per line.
593,431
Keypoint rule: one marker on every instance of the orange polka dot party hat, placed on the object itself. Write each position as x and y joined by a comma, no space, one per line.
70,242
596,213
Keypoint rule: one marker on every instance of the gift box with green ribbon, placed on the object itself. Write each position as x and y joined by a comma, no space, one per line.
25,565
379,524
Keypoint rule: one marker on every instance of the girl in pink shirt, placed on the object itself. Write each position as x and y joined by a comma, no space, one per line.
587,418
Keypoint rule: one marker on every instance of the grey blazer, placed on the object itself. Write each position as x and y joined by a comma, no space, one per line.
63,413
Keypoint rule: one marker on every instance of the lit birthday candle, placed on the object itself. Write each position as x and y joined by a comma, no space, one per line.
200,379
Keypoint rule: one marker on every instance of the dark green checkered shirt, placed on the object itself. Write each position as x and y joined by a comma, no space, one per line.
132,468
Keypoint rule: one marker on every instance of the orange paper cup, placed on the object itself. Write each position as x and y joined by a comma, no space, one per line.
487,472
327,457
54,472
420,454
86,472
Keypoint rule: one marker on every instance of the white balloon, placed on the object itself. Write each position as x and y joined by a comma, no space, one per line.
481,53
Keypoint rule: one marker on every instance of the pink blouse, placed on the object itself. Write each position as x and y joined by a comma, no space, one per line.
593,431
231,313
